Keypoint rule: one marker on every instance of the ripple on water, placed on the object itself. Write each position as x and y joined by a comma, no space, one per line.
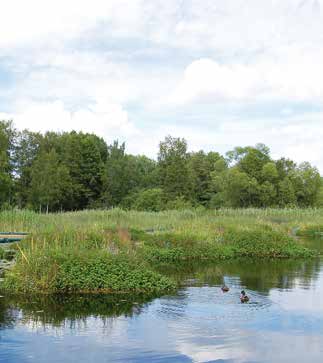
197,304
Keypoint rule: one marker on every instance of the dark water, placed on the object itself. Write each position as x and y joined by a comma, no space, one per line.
283,322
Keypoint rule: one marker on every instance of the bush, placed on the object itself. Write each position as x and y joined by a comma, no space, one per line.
109,274
80,272
179,203
310,231
151,200
264,243
209,251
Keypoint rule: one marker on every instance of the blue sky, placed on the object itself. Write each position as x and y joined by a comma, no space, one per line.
219,73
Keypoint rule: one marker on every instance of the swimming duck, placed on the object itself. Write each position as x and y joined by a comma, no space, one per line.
225,288
243,297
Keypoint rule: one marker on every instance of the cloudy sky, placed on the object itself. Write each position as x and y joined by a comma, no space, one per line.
219,73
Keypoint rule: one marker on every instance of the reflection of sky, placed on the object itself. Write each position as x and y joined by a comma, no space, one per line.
199,324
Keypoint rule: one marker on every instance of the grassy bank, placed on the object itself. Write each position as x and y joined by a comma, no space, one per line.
118,251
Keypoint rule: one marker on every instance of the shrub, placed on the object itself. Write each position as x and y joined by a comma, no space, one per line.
94,272
264,243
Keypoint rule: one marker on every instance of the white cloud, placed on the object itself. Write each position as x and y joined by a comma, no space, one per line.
105,119
228,26
42,20
280,78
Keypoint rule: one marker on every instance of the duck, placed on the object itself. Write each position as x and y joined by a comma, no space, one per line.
225,288
243,297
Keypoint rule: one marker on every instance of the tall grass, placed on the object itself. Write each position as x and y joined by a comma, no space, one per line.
98,242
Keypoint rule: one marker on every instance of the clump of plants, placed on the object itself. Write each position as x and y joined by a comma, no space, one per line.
264,243
95,271
116,250
311,230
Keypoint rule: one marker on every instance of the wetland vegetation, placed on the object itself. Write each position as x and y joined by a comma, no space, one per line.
122,251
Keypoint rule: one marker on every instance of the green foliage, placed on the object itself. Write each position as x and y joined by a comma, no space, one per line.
104,273
179,203
175,178
26,151
200,251
307,182
152,200
311,230
264,243
286,193
269,172
125,175
238,188
75,171
202,167
319,199
50,182
256,242
7,136
116,250
80,271
267,194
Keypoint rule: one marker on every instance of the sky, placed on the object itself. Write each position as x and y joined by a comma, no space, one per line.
218,73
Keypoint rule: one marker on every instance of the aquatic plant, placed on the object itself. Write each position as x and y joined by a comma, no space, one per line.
96,271
121,250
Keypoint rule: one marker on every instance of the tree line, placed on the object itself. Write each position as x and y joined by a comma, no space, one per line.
75,170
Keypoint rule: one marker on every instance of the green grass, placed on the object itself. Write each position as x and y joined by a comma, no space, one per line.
2,253
116,250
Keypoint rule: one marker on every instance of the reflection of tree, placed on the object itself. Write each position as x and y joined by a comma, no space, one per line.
265,275
7,316
259,275
60,309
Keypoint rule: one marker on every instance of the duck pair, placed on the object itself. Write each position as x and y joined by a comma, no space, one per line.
243,296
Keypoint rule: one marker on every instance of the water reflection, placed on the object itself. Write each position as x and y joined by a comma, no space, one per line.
56,310
261,275
282,323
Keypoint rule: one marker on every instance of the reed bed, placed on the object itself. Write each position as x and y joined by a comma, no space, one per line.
117,250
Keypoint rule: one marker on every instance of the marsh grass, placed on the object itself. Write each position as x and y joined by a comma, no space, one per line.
116,250
2,253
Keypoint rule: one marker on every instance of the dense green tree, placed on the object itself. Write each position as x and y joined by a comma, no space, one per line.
202,166
237,189
306,182
115,180
173,164
83,155
267,195
269,172
285,167
319,199
152,200
7,139
125,174
50,182
286,193
26,151
250,160
75,170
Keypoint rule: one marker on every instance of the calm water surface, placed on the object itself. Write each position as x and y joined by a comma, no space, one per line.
282,323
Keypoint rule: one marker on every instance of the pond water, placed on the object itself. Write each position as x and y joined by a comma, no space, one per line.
283,322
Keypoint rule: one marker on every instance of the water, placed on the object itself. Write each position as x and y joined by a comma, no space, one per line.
282,323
